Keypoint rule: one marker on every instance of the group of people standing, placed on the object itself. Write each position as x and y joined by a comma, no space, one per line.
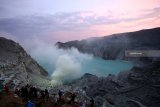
27,92
34,97
30,93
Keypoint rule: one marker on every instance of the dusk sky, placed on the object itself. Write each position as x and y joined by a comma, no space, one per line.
64,20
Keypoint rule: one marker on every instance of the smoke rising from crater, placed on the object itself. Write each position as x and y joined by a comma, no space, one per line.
67,68
62,65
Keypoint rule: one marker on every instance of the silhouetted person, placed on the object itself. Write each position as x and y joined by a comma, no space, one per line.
26,91
42,94
92,102
23,93
6,89
60,94
27,85
46,94
73,96
35,92
1,88
31,92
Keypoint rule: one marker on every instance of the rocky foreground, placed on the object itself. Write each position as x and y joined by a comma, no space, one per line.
136,88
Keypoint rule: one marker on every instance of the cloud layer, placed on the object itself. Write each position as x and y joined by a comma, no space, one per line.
52,21
76,25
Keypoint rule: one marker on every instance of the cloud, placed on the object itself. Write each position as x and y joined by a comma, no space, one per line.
64,26
152,12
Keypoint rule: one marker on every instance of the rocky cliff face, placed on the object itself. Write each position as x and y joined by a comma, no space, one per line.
114,46
17,67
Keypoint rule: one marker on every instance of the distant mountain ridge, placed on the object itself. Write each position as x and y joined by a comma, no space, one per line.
114,46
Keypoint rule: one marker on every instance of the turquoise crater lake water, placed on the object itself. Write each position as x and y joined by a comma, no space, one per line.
98,66
101,67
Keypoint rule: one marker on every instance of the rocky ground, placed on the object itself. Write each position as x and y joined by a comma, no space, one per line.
136,88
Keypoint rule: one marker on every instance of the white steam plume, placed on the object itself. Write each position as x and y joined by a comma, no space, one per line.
62,65
67,68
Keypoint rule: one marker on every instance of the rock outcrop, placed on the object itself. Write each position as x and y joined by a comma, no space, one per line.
17,68
136,88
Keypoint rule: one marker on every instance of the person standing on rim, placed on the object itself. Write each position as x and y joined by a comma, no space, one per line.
92,102
6,89
46,94
1,88
73,96
60,94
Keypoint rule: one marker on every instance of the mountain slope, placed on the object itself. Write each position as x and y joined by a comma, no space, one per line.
17,68
114,46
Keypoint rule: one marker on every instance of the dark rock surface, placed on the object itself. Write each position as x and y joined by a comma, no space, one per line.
126,89
138,87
